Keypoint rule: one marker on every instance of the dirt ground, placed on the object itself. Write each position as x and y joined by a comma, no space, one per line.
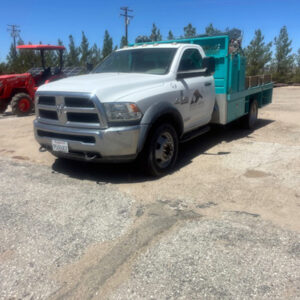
224,225
256,171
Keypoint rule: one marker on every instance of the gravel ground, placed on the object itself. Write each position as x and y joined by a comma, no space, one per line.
224,225
47,221
238,256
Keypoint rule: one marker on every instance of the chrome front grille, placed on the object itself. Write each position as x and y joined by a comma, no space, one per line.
47,100
78,102
48,114
76,110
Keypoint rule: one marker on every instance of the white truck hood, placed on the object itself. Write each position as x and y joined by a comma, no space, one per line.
107,87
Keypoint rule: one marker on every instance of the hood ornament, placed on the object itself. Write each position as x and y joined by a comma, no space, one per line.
60,108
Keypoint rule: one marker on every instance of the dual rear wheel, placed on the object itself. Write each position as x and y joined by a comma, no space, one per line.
250,119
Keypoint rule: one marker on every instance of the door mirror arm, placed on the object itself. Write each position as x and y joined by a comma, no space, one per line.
189,74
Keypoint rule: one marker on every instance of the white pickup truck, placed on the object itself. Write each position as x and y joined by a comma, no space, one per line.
140,102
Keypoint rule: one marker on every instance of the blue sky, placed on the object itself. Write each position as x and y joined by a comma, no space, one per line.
47,21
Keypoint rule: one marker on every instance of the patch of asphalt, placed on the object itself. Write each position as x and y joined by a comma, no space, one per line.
238,256
47,220
157,219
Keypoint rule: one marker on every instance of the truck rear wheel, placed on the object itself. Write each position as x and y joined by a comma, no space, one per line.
251,118
21,104
161,150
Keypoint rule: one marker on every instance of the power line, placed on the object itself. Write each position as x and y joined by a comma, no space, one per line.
14,32
127,20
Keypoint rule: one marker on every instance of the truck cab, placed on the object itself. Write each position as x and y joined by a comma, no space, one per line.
140,102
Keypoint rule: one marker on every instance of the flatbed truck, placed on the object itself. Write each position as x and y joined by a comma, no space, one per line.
143,100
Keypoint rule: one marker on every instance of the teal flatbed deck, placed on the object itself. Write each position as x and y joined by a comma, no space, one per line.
232,95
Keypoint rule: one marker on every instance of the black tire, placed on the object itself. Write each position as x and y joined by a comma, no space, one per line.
250,119
3,106
160,151
21,104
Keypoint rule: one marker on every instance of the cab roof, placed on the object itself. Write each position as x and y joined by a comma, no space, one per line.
41,47
156,45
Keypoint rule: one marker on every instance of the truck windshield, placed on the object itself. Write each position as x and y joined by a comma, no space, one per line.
150,61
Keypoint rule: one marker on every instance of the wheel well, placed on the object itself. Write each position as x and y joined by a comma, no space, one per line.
249,100
171,119
17,91
256,97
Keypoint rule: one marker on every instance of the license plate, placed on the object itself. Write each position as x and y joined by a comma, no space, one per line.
60,146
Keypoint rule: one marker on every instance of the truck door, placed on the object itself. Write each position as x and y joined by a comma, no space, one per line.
198,91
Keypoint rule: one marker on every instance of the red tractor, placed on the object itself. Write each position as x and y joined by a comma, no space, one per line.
18,90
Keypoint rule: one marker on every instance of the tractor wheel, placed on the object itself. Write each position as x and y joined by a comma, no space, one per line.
21,104
3,106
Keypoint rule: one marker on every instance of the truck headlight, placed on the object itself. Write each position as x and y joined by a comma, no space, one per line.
122,112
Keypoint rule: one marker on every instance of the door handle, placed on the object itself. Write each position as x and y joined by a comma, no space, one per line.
207,83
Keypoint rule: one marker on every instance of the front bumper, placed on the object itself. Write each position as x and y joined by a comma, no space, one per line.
113,144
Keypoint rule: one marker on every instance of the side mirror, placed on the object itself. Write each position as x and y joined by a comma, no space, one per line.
209,64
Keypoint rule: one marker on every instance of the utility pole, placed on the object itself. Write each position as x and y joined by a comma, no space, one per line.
127,19
14,32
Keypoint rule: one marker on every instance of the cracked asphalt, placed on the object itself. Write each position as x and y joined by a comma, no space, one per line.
224,225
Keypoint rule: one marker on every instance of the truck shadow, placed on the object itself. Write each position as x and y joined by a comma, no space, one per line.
9,114
131,173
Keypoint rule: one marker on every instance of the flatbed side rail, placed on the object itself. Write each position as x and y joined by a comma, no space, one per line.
250,91
253,81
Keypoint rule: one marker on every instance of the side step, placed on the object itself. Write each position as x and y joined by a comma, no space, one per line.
192,134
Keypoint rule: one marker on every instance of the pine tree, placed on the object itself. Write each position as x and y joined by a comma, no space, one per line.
32,58
64,55
73,54
189,31
296,77
211,30
12,60
258,54
95,55
234,33
22,60
142,39
123,42
298,59
155,34
171,36
107,45
283,57
84,51
3,68
50,58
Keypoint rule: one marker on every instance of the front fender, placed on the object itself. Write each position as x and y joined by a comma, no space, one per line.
153,114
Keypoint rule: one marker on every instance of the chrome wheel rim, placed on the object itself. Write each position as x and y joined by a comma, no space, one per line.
164,150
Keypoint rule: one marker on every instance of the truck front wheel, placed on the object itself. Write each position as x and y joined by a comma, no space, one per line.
21,104
161,150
